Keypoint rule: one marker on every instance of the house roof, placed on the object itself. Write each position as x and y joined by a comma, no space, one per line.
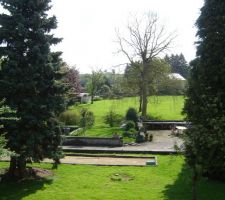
176,76
83,94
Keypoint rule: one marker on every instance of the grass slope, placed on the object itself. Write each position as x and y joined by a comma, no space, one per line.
168,181
159,107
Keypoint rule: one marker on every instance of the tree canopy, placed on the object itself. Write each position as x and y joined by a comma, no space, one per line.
30,81
178,64
205,103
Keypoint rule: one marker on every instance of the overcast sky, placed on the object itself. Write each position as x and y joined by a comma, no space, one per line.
88,28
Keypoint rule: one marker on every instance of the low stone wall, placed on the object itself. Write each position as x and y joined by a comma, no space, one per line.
162,125
92,141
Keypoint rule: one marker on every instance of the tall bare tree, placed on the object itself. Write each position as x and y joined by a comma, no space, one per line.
146,40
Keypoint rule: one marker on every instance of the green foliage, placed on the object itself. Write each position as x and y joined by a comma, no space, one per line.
205,103
96,81
3,151
162,108
105,91
132,115
31,79
129,125
78,132
113,82
178,64
112,118
70,117
172,86
156,76
131,133
71,80
140,138
87,118
98,98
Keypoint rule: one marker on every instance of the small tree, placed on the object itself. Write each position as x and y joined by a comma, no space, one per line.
72,81
95,83
105,91
87,119
156,77
112,118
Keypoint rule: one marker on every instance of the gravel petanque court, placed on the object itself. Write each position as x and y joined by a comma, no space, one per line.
105,161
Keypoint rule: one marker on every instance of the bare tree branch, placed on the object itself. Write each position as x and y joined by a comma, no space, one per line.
146,40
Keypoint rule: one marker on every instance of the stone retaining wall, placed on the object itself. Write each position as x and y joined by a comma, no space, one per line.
92,141
163,125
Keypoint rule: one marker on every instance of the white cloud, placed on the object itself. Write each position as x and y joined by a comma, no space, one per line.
88,27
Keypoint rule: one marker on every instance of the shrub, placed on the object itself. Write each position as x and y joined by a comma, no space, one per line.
69,117
87,118
78,132
112,118
4,152
132,115
131,133
129,125
140,138
97,98
150,117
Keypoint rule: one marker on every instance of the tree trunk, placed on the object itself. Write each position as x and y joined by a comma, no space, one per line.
194,184
145,88
92,97
12,166
144,101
17,168
140,100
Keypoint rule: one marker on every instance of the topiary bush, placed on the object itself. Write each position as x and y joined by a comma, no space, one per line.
140,138
112,118
70,117
87,119
132,115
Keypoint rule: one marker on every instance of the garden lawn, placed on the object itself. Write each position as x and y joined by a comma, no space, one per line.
168,181
159,107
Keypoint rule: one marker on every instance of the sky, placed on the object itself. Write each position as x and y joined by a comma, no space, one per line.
88,28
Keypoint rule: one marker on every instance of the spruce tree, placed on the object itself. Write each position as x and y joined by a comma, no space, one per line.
30,81
178,64
205,103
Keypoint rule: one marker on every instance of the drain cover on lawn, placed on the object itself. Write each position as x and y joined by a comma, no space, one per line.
121,177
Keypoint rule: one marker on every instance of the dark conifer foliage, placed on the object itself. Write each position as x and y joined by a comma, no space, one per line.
178,64
30,81
205,104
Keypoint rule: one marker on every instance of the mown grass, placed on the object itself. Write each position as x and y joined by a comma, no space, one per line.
170,180
159,107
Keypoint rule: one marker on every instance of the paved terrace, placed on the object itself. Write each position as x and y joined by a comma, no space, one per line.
163,142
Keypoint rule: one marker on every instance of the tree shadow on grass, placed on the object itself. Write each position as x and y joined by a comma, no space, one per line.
12,190
206,189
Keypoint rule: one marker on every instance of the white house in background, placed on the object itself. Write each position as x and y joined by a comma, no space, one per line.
176,76
84,97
